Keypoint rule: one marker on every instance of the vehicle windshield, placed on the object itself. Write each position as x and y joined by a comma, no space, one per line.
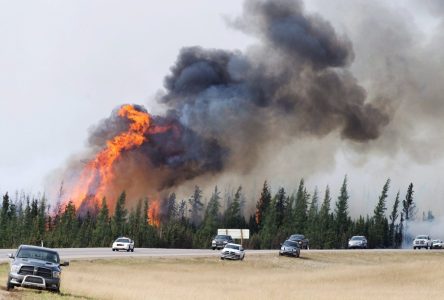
290,244
40,254
297,237
222,237
422,237
232,246
122,241
357,238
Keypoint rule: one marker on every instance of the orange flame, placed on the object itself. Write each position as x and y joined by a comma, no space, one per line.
153,214
98,173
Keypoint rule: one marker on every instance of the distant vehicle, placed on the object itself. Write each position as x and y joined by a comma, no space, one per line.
357,241
35,267
232,251
422,241
220,240
437,244
123,243
290,248
300,239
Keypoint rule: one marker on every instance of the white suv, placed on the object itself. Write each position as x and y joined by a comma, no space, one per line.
123,243
422,241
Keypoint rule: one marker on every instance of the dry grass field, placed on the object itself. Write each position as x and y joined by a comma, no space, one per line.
316,275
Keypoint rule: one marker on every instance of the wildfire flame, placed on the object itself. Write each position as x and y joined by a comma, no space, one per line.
153,214
98,174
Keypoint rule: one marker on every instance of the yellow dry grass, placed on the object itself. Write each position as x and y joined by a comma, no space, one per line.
317,275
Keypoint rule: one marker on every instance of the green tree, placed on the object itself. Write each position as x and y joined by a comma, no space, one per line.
262,204
392,227
378,232
196,206
233,215
280,207
300,211
119,219
313,224
341,216
102,235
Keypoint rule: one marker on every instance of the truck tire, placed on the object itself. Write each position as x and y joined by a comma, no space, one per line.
9,286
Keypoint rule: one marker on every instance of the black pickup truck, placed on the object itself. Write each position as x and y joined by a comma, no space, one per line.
35,267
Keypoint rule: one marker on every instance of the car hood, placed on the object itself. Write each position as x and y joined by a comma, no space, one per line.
36,263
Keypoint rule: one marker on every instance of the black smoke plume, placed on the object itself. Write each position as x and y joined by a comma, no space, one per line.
225,106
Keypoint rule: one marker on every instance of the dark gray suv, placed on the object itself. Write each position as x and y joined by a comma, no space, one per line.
35,267
220,240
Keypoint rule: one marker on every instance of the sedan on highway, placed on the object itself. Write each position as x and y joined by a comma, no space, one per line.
123,243
357,241
232,251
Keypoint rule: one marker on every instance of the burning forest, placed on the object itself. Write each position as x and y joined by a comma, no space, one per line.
223,107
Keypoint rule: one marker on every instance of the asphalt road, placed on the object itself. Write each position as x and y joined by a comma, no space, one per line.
107,253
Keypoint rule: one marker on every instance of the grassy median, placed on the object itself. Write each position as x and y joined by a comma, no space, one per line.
316,275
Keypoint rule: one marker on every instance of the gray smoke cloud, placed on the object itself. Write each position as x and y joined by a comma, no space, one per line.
294,82
228,106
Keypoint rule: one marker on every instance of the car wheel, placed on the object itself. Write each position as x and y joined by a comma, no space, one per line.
56,290
132,250
9,286
296,255
214,248
222,258
128,250
414,248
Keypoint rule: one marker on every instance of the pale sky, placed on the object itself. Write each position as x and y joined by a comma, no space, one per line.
65,65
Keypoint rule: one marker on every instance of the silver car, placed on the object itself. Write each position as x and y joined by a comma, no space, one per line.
357,241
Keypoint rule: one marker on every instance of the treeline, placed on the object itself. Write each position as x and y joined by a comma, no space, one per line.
191,223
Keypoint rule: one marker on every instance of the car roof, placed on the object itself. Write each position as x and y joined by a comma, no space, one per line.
36,247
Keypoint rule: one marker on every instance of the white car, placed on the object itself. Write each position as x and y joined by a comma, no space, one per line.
232,251
123,243
437,244
422,241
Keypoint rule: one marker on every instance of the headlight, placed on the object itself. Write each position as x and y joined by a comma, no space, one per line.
15,268
56,274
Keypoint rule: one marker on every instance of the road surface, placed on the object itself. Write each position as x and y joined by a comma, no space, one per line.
107,253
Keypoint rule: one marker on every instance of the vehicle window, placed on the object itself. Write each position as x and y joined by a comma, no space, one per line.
356,238
297,236
232,247
39,254
122,241
290,244
422,237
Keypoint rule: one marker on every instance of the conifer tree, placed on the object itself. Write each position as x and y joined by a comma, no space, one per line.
341,216
262,204
300,211
393,217
119,218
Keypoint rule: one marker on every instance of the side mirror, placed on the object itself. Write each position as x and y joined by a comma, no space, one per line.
64,264
10,255
280,244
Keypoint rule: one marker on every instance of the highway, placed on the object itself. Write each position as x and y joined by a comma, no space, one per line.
107,253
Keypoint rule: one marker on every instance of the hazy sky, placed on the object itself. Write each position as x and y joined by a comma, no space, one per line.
65,65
